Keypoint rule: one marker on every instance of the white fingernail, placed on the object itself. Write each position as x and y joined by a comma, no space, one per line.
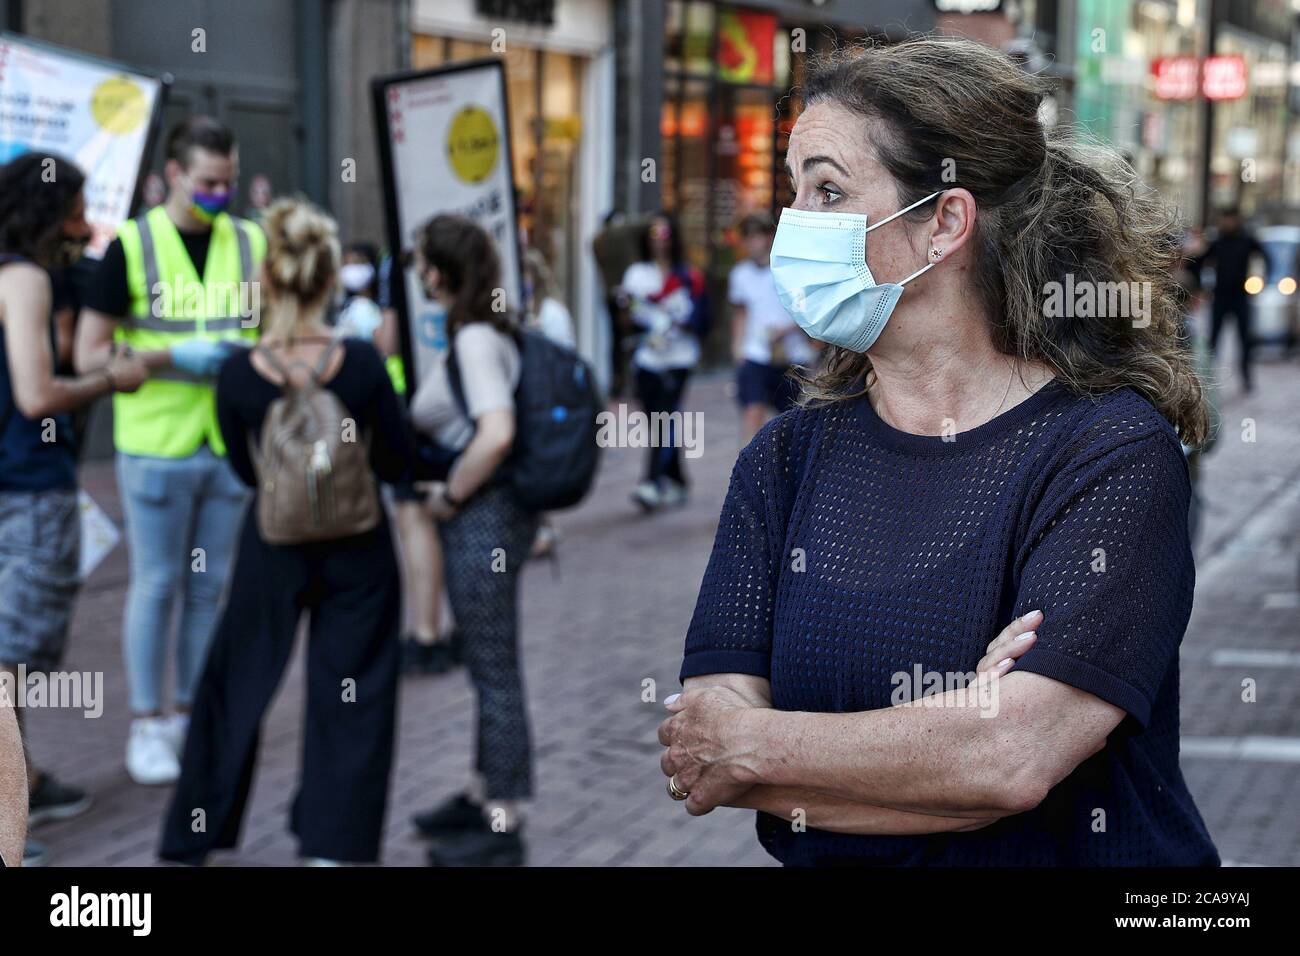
669,701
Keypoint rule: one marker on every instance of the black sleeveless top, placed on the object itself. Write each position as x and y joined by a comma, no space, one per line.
27,461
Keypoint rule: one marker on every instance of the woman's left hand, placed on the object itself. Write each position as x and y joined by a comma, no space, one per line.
709,742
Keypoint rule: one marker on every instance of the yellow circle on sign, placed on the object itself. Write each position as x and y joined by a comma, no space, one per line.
118,105
472,144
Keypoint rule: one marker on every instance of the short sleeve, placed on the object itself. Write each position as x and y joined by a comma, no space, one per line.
736,287
731,629
106,289
488,364
1109,563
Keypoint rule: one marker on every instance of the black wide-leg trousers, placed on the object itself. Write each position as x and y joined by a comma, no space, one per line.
349,590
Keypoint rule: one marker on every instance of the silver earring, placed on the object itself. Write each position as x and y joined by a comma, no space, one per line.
935,253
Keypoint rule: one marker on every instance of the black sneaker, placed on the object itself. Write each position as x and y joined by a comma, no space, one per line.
437,657
457,815
35,854
415,656
455,647
52,800
442,657
479,848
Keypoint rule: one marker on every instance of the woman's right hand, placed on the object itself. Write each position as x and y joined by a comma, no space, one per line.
1016,638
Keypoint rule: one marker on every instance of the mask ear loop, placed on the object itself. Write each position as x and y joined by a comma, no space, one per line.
920,202
925,268
907,209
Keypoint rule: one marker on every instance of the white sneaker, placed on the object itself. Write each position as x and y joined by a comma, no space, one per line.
150,759
647,495
177,726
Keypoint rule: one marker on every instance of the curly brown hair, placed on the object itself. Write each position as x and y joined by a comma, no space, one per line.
38,191
1050,205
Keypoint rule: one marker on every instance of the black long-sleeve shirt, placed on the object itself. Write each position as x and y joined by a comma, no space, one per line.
1230,254
361,383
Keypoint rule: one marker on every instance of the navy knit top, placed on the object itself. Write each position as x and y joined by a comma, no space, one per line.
849,552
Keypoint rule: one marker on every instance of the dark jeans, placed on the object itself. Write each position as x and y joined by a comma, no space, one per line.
1237,308
349,589
662,392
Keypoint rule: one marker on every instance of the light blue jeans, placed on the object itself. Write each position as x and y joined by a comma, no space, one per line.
174,506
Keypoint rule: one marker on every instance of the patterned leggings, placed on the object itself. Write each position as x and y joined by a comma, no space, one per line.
485,547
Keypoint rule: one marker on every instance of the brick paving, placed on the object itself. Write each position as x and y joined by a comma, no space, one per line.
613,617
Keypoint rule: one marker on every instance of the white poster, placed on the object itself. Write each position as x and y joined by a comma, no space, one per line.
95,113
449,152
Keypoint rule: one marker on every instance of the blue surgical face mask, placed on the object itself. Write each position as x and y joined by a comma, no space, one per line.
819,265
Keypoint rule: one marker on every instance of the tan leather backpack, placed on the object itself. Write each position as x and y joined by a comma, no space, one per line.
314,481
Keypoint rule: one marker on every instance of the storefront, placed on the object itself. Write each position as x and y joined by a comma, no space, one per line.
559,69
1251,122
1130,58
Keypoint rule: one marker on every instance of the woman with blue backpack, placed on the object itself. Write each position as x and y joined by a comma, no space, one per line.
467,412
666,301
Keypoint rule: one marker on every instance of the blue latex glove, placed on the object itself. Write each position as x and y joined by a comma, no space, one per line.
199,356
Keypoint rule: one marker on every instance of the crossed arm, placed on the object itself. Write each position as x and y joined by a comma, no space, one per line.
13,786
929,766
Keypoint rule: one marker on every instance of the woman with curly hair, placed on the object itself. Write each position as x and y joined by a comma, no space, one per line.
991,449
42,227
346,586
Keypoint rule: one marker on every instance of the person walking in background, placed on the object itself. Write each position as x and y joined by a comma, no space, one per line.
486,535
766,343
543,311
42,226
615,247
359,315
346,585
1229,253
666,299
174,287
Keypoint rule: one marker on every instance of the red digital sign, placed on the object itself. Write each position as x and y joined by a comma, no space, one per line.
1223,78
1176,77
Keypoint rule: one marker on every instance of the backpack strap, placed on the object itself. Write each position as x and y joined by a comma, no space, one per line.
275,363
454,380
282,370
326,356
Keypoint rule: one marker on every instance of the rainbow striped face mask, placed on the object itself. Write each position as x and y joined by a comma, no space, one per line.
207,206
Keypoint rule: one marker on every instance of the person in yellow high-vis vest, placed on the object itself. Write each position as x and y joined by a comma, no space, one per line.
178,289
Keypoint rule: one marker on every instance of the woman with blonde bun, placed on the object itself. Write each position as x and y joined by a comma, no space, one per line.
347,586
